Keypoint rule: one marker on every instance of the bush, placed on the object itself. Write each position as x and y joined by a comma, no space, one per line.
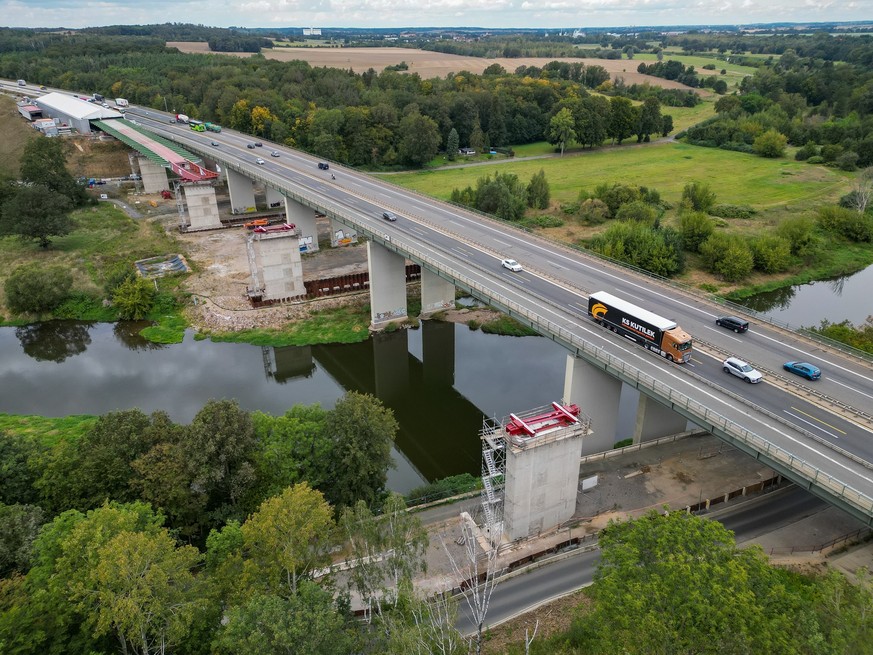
35,289
695,228
699,196
847,223
799,231
637,211
134,299
817,159
728,256
658,251
733,211
116,275
772,254
616,195
594,211
541,221
807,151
445,488
847,161
770,144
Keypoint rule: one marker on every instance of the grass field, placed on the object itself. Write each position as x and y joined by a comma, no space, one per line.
46,430
734,72
14,134
737,178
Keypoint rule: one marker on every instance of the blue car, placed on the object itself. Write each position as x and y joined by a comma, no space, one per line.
803,369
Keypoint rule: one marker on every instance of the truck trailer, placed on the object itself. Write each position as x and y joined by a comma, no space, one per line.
121,102
212,127
181,118
661,335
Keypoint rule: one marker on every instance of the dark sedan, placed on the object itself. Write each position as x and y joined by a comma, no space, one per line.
803,369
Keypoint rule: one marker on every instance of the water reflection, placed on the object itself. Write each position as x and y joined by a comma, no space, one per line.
55,341
128,334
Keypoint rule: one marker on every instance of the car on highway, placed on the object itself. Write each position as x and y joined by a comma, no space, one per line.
259,160
250,146
389,216
511,264
214,143
803,369
42,88
275,153
258,144
733,323
323,166
741,369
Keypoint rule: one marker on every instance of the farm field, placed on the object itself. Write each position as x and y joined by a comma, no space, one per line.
737,178
424,62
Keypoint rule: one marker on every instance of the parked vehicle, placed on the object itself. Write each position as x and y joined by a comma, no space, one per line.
803,369
659,334
121,102
512,265
741,369
733,323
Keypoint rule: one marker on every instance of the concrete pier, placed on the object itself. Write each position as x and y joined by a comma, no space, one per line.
437,294
598,392
387,285
242,193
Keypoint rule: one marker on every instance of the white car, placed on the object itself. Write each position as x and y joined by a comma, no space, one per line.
511,264
260,161
742,370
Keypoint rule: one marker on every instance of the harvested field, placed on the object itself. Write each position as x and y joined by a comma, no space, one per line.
428,64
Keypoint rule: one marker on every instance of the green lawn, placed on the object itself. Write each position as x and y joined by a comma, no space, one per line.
46,430
737,178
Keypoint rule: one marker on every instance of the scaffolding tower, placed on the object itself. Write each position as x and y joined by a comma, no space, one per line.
493,472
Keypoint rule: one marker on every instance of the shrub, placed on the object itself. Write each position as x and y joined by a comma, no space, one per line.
847,223
799,231
116,275
733,211
728,256
35,289
445,488
807,151
658,251
541,221
594,211
699,196
134,299
637,211
772,254
695,228
616,195
770,144
847,161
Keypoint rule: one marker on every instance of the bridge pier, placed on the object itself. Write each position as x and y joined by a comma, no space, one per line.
342,235
599,393
304,218
655,420
436,293
387,285
242,193
202,206
154,177
277,271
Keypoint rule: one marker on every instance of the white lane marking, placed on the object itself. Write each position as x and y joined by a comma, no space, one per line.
502,243
417,231
803,420
725,335
851,388
633,296
558,266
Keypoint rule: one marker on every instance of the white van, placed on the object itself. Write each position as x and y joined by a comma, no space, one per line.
22,83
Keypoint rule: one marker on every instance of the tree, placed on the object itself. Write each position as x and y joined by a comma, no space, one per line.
388,549
650,120
453,142
134,299
36,213
538,193
561,129
862,190
622,119
772,254
699,196
307,622
286,539
799,231
19,526
666,124
695,228
362,431
677,583
19,455
592,119
34,288
44,165
770,144
503,195
728,255
418,139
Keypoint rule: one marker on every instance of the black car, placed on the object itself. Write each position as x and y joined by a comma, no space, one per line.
258,144
389,216
250,146
732,323
322,166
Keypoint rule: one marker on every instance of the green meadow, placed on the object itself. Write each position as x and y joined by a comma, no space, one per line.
737,178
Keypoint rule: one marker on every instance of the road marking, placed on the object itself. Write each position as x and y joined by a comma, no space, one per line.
832,427
726,335
502,243
820,429
558,266
850,387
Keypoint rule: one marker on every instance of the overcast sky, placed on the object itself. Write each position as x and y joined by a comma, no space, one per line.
426,13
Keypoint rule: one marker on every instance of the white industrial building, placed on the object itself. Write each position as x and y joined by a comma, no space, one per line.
71,111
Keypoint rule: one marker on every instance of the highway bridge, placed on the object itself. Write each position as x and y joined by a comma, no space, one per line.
819,434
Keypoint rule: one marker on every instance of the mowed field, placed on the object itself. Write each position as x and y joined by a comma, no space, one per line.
427,64
737,178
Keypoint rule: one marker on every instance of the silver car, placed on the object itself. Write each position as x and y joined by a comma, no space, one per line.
742,370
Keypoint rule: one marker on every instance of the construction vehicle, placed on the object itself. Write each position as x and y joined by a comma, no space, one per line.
212,127
661,335
258,222
197,126
121,102
181,118
266,229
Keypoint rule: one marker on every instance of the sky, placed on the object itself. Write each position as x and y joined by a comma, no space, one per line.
553,14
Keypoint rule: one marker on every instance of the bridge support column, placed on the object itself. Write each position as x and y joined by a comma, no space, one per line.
342,235
436,293
202,207
154,177
277,263
387,285
656,420
274,198
304,218
242,193
438,352
391,364
598,394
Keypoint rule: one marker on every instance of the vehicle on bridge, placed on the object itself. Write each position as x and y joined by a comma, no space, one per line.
511,264
196,125
181,118
212,127
323,166
803,369
659,334
733,323
743,370
121,102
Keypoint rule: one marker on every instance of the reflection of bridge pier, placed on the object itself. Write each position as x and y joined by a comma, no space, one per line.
285,363
438,352
391,364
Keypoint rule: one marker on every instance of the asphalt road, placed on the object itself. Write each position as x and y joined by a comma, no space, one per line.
555,284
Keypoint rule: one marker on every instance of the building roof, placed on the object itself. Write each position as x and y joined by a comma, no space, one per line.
75,108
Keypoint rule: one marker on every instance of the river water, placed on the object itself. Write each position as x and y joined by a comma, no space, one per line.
440,380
